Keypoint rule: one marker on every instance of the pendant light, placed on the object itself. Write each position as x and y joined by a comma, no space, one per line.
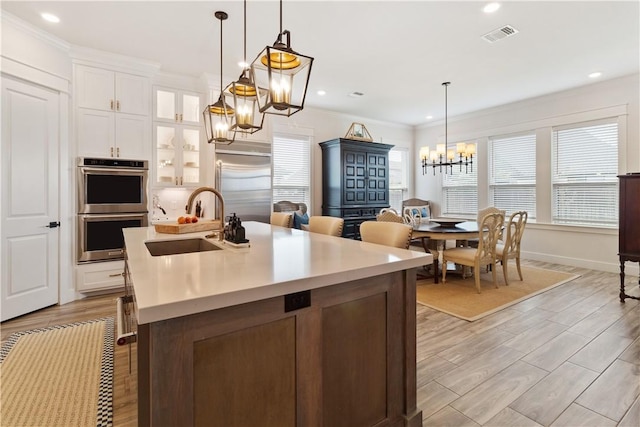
443,156
244,95
284,73
219,117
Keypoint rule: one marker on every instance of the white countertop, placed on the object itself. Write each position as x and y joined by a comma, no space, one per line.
280,261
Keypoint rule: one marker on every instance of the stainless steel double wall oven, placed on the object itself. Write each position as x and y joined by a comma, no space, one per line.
112,195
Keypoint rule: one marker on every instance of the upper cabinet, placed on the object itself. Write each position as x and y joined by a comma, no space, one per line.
176,106
179,144
113,113
107,90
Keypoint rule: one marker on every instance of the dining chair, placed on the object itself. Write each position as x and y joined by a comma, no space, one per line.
330,225
481,214
283,219
511,247
386,233
389,215
483,255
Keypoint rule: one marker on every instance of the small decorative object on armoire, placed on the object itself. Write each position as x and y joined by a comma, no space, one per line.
359,132
629,226
355,181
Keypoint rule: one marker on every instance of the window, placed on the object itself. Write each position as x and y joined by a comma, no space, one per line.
512,173
291,168
397,177
460,192
584,175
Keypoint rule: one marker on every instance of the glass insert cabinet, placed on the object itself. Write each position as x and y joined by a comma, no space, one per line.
178,137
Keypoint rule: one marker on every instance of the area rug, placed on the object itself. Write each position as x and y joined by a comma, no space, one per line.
460,298
58,376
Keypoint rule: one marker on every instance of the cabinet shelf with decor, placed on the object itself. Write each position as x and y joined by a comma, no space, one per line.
355,181
178,138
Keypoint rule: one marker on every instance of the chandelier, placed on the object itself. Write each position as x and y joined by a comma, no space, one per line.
445,157
285,75
244,95
219,119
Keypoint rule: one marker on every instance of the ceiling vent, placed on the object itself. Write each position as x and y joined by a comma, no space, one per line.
500,33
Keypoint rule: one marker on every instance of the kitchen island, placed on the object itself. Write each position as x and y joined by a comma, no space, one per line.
299,329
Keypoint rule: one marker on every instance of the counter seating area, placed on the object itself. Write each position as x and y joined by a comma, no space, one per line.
297,209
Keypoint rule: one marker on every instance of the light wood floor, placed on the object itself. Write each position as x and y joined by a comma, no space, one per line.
567,357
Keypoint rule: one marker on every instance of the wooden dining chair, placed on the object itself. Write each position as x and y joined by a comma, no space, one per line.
511,247
386,233
389,216
329,225
283,219
483,255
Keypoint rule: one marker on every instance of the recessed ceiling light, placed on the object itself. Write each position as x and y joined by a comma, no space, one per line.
50,17
595,75
321,92
491,7
429,117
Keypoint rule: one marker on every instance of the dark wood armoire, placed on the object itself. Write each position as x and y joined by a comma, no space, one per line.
355,181
629,229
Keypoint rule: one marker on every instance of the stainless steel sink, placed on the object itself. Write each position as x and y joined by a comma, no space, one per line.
181,246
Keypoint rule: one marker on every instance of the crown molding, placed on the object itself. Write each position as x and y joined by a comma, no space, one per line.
113,61
25,27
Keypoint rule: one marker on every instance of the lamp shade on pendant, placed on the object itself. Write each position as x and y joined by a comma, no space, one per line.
244,97
219,122
284,74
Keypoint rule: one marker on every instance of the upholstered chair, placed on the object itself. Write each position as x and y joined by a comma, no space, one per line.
298,209
330,225
511,247
483,255
283,219
386,233
389,215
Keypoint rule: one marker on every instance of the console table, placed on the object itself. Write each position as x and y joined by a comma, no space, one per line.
629,229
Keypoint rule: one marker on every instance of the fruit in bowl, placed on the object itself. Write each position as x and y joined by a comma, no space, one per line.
187,219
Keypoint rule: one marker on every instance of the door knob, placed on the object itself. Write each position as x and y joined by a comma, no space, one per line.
53,224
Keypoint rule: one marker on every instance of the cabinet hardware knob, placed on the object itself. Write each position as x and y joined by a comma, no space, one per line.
111,151
53,224
118,105
180,117
111,104
176,117
116,274
176,180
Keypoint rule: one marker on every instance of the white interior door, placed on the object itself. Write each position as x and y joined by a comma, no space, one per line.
29,195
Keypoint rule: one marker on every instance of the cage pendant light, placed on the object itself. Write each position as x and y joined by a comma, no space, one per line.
284,73
219,117
445,157
244,95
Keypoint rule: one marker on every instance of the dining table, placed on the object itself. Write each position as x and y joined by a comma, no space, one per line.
441,231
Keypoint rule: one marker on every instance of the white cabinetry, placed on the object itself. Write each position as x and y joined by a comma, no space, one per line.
99,276
113,114
178,138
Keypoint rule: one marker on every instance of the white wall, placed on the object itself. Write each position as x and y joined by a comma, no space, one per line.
579,246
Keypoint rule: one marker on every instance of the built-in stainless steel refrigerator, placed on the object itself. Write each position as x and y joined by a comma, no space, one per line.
243,176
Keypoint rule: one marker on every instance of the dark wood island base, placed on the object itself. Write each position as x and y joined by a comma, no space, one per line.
348,359
629,225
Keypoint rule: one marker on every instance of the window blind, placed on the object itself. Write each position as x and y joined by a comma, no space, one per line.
397,177
291,168
460,192
512,173
585,169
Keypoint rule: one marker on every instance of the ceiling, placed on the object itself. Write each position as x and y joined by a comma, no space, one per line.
396,53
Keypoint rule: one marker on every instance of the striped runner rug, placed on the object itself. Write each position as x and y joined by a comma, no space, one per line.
58,376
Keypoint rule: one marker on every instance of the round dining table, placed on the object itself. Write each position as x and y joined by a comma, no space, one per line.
441,232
